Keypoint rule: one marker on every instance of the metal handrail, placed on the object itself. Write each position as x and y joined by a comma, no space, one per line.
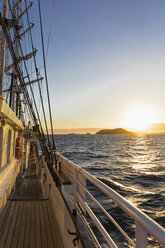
141,219
108,215
97,223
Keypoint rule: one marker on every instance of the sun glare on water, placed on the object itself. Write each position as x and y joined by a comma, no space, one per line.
139,118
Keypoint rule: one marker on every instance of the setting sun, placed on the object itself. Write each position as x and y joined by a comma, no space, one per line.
139,118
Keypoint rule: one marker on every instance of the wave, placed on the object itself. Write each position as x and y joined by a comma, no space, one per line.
83,154
124,190
151,177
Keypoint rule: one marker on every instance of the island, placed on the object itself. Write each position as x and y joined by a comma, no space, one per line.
114,131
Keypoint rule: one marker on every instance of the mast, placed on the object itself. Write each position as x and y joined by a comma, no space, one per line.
16,14
2,48
18,69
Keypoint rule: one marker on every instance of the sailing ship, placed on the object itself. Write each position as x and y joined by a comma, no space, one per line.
45,198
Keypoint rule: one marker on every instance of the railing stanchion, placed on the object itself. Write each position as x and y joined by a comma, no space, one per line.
75,178
141,236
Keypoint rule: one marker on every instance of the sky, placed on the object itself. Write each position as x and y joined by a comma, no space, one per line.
106,62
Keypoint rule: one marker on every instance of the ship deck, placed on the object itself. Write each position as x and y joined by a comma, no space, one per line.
28,219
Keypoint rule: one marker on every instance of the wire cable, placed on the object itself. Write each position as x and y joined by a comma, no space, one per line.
50,29
22,80
37,74
46,78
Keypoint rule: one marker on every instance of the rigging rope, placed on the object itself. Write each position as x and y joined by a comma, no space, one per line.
30,105
19,73
50,29
36,70
46,78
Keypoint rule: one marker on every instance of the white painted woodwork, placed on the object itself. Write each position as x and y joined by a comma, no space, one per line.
141,236
7,114
61,212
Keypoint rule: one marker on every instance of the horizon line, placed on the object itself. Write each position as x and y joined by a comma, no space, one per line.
155,128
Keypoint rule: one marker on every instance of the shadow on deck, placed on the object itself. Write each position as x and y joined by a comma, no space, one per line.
28,219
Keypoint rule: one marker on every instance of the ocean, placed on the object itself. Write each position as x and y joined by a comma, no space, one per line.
133,165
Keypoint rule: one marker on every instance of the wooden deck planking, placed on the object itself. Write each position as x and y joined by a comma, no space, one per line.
27,228
27,189
17,226
22,226
12,226
43,228
7,225
38,227
3,218
32,226
54,226
47,226
28,220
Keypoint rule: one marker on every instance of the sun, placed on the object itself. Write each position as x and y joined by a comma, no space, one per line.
139,118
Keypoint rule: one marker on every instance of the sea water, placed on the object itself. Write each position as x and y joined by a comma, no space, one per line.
133,165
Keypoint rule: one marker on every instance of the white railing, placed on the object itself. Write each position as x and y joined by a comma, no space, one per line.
75,182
